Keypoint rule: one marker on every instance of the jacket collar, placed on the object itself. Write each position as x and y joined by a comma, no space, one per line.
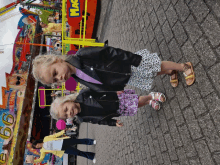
75,61
79,98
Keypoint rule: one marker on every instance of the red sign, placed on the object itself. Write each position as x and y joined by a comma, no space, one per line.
74,11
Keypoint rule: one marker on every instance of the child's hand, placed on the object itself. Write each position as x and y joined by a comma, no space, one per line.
29,159
120,92
118,124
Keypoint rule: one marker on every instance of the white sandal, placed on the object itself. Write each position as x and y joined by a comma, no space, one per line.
158,94
154,103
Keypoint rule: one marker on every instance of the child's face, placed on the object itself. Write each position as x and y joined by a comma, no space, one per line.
68,110
56,73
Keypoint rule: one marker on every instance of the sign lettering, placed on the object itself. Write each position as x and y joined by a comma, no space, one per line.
74,8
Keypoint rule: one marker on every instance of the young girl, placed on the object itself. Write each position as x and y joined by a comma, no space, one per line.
59,146
109,69
98,108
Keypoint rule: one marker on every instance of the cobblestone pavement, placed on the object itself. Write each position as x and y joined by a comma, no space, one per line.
187,128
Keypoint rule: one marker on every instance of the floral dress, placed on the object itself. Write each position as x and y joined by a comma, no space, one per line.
128,103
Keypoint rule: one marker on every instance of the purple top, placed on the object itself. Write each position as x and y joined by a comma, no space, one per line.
85,77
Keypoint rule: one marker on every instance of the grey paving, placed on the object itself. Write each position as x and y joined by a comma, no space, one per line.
187,128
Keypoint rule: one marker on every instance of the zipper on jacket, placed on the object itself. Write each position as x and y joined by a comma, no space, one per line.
110,63
110,71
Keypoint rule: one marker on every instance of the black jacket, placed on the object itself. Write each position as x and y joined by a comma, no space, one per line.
105,101
111,66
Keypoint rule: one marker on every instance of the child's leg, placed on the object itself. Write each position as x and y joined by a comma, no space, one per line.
144,100
74,151
168,66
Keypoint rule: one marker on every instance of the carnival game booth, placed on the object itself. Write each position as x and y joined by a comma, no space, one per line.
17,99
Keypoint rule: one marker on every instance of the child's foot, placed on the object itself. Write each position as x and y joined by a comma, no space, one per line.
174,79
94,160
154,104
158,96
189,73
94,142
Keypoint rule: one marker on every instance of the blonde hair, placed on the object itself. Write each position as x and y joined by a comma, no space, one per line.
45,61
59,102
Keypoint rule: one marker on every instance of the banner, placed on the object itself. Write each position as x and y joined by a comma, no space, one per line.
74,11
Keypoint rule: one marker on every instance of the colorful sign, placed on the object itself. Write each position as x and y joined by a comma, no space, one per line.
13,93
74,11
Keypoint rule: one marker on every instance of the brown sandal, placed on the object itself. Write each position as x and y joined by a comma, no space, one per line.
187,66
174,82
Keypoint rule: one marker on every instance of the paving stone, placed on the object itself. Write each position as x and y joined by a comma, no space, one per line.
171,149
168,34
161,15
215,76
158,152
164,51
175,50
163,122
214,4
192,28
142,7
139,34
171,15
196,100
176,112
192,123
148,154
150,33
165,4
141,22
179,33
204,154
194,161
189,53
166,158
167,111
154,160
210,133
161,139
150,144
156,4
187,142
153,19
174,1
199,8
181,96
146,20
213,103
217,158
182,156
149,5
205,52
148,46
203,82
155,119
158,34
182,10
152,129
212,29
155,48
174,134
